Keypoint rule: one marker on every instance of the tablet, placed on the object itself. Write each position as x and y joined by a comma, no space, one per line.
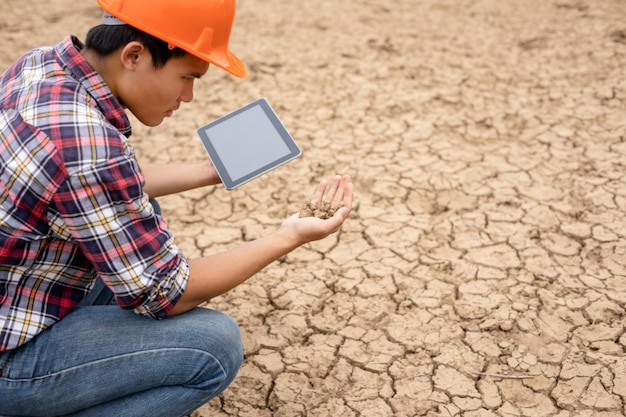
247,143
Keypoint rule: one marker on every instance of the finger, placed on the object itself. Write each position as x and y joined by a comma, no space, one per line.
332,191
348,194
319,192
338,198
347,200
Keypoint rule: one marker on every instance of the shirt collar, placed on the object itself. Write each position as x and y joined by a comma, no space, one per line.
68,51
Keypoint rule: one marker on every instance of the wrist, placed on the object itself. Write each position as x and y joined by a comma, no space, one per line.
288,237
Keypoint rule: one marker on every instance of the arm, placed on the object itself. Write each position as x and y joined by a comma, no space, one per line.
164,179
216,274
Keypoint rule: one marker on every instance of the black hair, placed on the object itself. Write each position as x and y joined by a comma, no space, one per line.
106,39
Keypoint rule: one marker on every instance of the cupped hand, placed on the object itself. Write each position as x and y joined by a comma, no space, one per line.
337,196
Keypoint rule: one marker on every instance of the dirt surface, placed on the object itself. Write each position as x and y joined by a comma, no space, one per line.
322,210
483,271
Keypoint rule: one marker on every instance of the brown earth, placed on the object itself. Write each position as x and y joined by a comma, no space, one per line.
483,271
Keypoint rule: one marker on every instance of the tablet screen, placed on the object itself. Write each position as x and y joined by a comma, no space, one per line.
247,143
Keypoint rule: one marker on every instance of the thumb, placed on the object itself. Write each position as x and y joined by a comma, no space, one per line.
343,212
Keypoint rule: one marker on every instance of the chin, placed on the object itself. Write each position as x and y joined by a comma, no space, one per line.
154,124
151,122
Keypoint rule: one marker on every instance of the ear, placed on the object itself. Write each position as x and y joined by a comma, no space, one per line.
132,54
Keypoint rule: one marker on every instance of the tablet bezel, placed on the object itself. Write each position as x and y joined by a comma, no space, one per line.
229,183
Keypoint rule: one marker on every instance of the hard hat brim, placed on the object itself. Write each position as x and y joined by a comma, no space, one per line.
232,64
200,44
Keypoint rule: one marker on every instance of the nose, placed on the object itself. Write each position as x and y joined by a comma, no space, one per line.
186,95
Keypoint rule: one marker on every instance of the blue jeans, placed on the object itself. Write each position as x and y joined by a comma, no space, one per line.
101,360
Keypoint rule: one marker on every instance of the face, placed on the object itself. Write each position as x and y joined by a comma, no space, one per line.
152,94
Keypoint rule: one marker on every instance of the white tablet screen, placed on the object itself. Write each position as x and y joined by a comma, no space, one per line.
247,143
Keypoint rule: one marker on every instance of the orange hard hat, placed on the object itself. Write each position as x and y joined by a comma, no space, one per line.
200,27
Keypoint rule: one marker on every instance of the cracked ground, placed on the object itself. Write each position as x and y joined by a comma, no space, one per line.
483,270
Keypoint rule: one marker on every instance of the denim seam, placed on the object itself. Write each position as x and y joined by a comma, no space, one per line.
61,372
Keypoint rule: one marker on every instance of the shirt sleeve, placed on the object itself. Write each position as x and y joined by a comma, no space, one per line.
106,212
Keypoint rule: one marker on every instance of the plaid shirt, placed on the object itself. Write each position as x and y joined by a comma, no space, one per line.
72,205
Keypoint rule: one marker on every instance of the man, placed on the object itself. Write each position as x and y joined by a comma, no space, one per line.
99,309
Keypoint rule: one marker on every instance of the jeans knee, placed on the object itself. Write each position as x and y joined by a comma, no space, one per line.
233,346
219,335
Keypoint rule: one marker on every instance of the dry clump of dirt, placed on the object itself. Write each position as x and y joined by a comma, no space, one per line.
324,210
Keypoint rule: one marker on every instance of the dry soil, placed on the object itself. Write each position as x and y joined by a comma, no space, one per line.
483,270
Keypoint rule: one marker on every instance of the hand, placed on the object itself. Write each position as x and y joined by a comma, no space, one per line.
338,196
211,172
218,273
